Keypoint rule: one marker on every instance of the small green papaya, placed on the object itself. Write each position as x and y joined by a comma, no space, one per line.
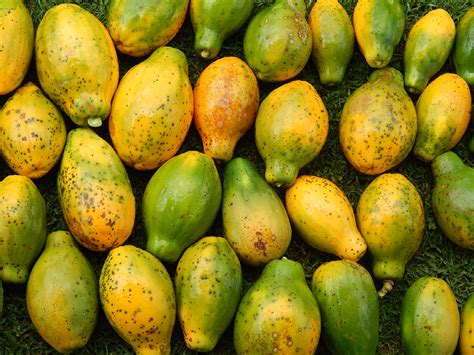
180,203
62,294
208,285
278,313
22,227
463,52
453,197
466,335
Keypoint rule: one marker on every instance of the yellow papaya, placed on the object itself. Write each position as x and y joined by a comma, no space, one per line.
466,335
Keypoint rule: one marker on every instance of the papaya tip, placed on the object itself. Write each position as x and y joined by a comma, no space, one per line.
205,54
386,288
94,122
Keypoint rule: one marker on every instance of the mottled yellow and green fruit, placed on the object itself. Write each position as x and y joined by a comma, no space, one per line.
138,27
452,198
32,132
349,306
254,219
390,217
226,99
333,40
290,130
278,41
466,335
138,299
94,192
429,319
378,125
278,313
22,227
76,63
378,26
216,20
16,42
463,51
208,290
62,294
427,48
323,217
152,109
443,112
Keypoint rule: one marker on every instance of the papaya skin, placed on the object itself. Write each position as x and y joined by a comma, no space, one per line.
466,335
463,52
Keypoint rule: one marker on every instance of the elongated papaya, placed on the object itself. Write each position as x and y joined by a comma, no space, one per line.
463,52
466,335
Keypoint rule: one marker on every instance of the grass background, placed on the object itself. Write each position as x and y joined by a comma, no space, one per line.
437,256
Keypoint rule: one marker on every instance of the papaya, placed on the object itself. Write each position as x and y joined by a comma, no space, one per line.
62,295
208,285
349,307
453,197
378,123
463,51
76,63
378,26
429,319
427,48
278,41
137,296
22,227
138,27
32,132
226,99
333,40
278,313
94,191
290,130
214,21
443,111
180,203
466,335
254,219
323,217
152,109
390,217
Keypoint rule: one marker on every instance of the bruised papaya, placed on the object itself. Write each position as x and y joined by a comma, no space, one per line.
463,52
466,335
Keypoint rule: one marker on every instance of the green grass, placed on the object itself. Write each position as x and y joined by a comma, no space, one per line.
437,256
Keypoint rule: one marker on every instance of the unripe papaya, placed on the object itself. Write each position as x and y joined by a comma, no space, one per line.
466,335
463,52
62,294
22,227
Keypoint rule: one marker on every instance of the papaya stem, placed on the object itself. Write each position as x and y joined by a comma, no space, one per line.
386,288
94,121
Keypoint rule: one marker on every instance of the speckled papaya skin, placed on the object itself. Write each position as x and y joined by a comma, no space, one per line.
429,319
76,63
137,296
16,42
390,217
427,48
94,192
216,20
278,314
152,110
290,130
254,219
323,217
378,124
226,99
208,290
32,132
443,112
62,294
138,27
466,335
452,198
378,26
22,227
180,203
278,41
463,51
349,306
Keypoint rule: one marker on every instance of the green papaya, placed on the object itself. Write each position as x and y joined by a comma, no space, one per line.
463,52
429,319
278,41
22,227
180,203
62,294
466,335
349,307
216,20
254,219
453,197
208,285
278,313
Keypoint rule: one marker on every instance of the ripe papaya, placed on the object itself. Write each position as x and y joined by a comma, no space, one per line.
463,52
466,335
